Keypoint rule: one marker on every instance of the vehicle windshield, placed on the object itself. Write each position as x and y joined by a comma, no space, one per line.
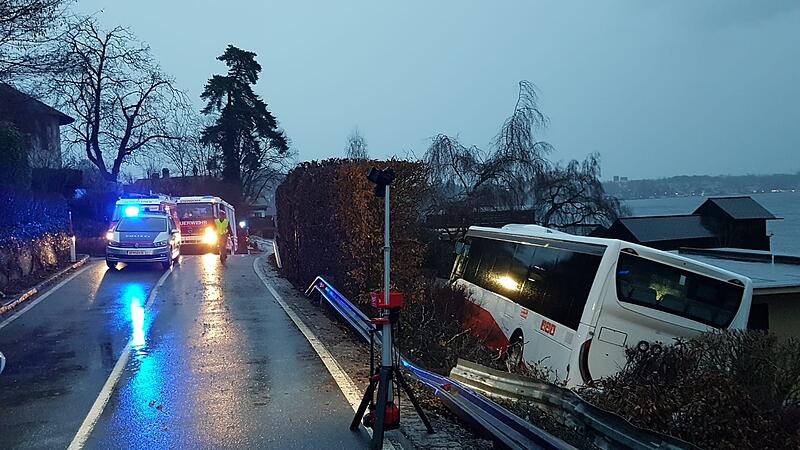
195,211
145,224
119,210
687,294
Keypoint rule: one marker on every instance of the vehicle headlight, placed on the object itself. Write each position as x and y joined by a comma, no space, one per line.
110,236
160,243
210,236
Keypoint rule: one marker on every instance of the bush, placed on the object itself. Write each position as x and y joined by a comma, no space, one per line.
15,171
720,390
28,216
330,223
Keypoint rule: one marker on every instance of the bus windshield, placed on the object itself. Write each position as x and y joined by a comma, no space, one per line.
195,211
687,294
144,224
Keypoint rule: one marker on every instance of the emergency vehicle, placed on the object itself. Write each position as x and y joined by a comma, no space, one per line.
132,205
197,215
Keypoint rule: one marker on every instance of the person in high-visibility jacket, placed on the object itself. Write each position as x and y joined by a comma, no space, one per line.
223,231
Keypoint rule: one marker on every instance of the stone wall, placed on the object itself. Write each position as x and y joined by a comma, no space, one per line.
23,258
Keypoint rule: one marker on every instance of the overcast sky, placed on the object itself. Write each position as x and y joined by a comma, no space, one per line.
657,88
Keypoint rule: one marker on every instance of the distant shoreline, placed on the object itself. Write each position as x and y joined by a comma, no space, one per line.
704,195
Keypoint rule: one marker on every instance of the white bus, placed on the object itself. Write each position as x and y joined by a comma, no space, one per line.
573,304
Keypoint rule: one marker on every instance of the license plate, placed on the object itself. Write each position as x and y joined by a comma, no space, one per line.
137,252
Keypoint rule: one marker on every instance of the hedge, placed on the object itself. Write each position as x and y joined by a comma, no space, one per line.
29,216
330,223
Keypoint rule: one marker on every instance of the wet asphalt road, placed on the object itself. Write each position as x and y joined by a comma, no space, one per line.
215,363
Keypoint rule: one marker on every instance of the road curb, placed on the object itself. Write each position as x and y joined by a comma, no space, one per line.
38,288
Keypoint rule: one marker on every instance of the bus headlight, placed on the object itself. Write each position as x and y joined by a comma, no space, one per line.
210,236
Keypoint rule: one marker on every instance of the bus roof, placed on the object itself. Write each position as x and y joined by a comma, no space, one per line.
535,231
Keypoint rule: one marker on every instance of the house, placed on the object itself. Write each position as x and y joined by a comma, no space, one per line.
39,123
776,285
738,222
662,232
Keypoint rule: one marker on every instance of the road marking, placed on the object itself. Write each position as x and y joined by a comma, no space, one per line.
108,388
47,293
351,392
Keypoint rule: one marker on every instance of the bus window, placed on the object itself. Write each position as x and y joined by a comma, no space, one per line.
554,282
693,296
558,284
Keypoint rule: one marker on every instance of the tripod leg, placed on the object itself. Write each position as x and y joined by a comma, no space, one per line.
410,393
380,412
363,406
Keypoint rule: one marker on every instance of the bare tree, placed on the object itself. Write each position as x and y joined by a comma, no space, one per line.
467,180
26,29
356,145
117,92
185,153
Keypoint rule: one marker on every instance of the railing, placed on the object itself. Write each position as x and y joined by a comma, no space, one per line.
606,429
501,425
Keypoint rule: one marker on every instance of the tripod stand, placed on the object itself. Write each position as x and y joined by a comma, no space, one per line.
386,414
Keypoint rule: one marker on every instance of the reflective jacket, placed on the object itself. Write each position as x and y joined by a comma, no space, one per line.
222,226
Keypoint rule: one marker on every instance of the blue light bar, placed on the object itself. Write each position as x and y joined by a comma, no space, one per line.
132,211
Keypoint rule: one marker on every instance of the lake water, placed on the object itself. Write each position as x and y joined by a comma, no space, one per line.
785,232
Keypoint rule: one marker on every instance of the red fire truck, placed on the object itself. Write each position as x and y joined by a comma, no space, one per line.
197,214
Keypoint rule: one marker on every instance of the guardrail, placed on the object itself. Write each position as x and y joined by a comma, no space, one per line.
501,425
606,429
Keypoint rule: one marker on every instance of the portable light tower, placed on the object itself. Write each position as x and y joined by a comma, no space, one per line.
384,412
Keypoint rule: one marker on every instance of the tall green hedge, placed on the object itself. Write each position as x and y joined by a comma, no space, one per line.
330,223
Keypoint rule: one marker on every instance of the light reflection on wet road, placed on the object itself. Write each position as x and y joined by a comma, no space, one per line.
215,364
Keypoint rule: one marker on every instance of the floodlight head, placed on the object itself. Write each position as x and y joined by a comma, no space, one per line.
381,178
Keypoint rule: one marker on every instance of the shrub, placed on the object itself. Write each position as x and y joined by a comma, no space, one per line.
330,223
28,216
720,390
15,171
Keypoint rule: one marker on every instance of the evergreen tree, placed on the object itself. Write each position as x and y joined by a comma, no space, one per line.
245,132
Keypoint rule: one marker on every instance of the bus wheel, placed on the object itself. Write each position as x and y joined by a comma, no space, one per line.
516,347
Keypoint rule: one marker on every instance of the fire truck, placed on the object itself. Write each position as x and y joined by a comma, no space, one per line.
131,205
197,215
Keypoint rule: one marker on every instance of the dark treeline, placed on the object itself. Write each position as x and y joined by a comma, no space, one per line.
706,185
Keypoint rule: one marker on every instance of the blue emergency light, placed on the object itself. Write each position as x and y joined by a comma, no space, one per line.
132,211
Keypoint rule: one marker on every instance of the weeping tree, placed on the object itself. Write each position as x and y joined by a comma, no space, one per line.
251,146
514,173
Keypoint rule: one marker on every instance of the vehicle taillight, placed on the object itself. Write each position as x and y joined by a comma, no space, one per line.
583,361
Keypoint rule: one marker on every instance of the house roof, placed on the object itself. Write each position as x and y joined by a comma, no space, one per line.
767,271
666,228
12,99
743,207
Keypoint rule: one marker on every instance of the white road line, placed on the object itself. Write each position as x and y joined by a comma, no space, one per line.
108,388
47,293
351,392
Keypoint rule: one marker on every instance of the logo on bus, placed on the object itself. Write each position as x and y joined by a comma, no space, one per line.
549,328
523,313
